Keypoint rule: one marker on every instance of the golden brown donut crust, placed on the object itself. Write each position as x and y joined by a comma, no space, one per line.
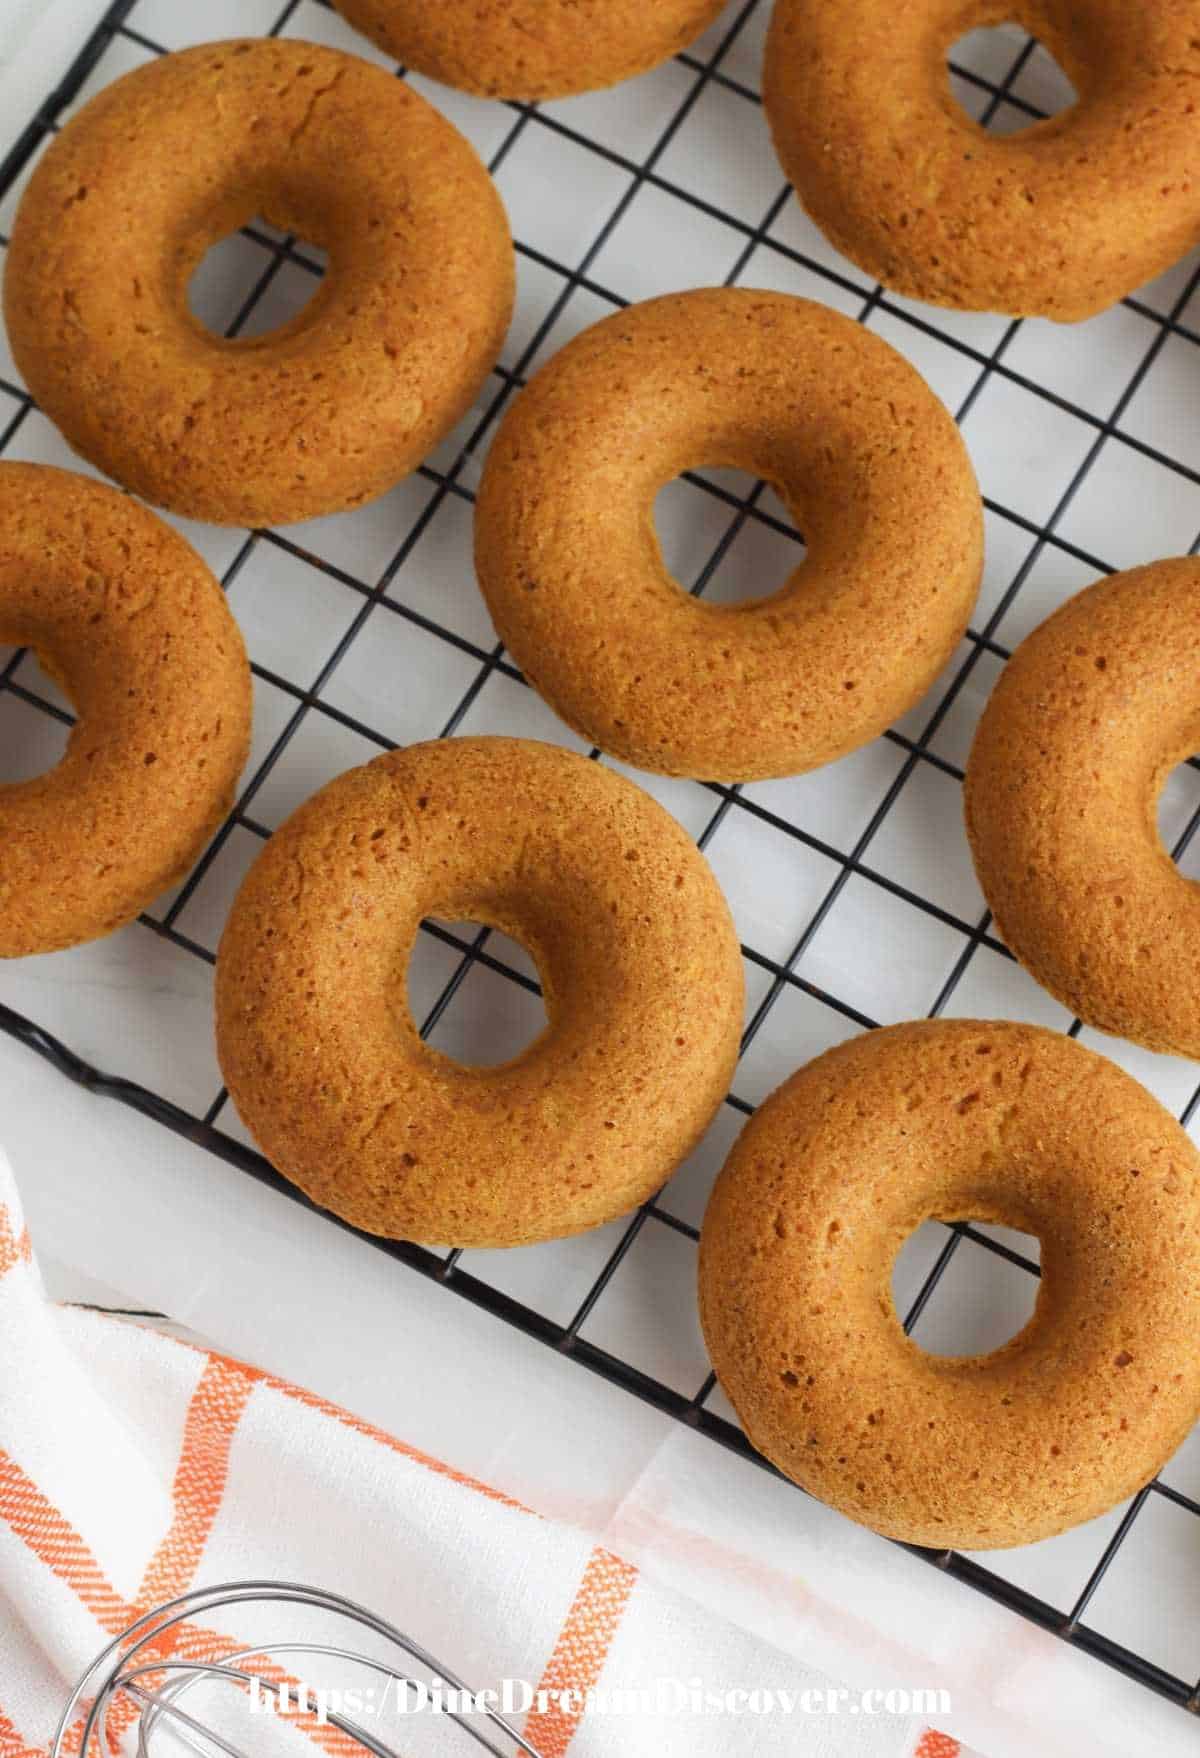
126,616
640,969
335,406
1060,220
530,49
958,1120
1090,715
870,464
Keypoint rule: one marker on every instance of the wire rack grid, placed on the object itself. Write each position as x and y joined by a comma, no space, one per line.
852,888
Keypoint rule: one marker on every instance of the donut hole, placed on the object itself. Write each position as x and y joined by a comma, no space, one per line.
983,82
242,290
981,1297
33,737
726,536
484,1015
1178,815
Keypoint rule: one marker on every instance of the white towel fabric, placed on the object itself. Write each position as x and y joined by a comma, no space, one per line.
134,1467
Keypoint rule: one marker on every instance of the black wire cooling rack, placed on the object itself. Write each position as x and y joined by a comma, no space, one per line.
994,96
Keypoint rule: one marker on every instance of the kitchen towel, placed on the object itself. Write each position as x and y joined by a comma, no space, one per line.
135,1466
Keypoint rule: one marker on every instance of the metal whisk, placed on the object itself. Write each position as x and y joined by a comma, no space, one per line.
134,1675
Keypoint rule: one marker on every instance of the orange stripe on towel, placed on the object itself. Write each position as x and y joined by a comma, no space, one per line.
12,1250
934,1745
357,1425
38,1523
582,1649
220,1398
216,1409
11,1743
192,1642
213,1415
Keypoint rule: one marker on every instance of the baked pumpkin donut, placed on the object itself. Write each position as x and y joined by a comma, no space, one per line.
1060,220
958,1120
1090,715
530,49
332,408
128,619
640,969
870,465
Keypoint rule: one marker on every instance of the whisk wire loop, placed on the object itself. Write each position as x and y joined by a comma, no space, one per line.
127,1664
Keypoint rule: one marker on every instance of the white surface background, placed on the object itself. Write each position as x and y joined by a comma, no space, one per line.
122,1211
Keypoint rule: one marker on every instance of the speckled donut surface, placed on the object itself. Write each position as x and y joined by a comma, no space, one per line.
1059,220
641,976
530,49
958,1120
870,465
126,616
332,408
1090,715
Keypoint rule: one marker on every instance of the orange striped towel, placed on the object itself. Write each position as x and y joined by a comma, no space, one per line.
133,1467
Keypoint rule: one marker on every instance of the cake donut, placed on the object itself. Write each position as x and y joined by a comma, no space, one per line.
865,456
1090,715
1060,220
333,407
641,975
128,619
530,49
958,1120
